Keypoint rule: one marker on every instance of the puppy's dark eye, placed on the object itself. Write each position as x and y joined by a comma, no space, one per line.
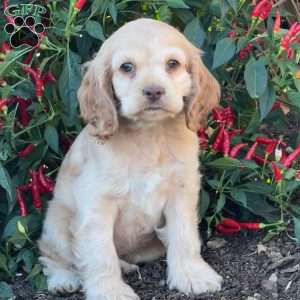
127,67
173,64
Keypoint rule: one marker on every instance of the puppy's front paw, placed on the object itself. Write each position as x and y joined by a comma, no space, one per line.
120,291
62,281
193,276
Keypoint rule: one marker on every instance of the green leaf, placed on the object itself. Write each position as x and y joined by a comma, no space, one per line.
194,32
266,101
184,15
11,227
25,89
94,29
249,164
68,85
254,123
5,182
225,50
113,12
225,163
6,292
3,263
224,8
255,77
221,203
11,58
294,98
259,206
240,197
213,183
257,187
242,42
36,270
297,84
5,91
204,204
297,229
21,228
51,138
290,173
28,259
165,13
39,282
292,186
177,4
233,4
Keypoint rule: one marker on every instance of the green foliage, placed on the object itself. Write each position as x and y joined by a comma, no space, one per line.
6,292
225,50
246,58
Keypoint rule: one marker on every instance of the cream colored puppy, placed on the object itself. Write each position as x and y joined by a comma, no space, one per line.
127,191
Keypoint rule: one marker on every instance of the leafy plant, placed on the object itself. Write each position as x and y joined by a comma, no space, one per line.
250,171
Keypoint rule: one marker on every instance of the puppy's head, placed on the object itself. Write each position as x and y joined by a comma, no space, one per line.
146,71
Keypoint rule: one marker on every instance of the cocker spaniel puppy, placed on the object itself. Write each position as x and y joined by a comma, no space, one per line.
127,190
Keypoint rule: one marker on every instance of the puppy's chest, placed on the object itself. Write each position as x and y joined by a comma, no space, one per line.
149,186
141,210
152,180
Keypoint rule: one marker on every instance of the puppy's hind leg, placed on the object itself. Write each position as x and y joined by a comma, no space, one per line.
56,249
154,250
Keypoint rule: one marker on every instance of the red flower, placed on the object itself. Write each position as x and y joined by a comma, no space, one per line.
289,38
46,184
231,34
203,138
23,113
277,22
3,104
26,151
235,150
244,52
225,143
262,9
217,144
224,115
5,47
35,190
271,147
36,75
287,161
277,172
276,105
21,202
48,77
39,79
79,4
228,227
258,159
251,151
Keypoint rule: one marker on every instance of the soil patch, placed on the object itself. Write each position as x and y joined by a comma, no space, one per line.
252,270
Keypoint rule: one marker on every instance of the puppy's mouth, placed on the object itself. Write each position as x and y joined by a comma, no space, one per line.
153,108
156,108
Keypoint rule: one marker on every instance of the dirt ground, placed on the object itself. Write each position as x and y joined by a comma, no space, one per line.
252,270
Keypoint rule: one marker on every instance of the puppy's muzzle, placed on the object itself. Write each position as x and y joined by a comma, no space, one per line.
153,93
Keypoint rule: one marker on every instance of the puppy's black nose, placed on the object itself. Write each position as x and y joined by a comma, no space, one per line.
154,92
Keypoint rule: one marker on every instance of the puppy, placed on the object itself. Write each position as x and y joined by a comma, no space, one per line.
127,190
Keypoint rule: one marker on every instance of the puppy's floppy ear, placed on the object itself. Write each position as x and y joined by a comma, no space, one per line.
205,94
96,99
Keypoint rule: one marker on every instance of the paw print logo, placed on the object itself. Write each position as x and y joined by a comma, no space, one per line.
24,31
